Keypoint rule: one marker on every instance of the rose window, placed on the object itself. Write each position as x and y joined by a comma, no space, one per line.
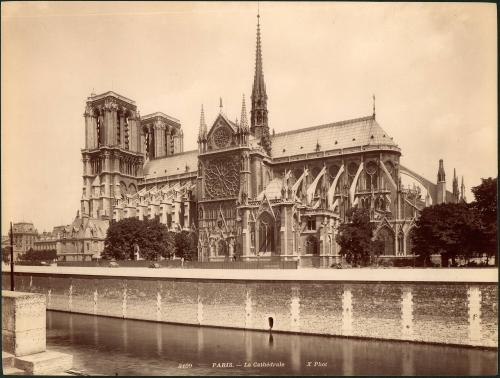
371,167
222,178
221,137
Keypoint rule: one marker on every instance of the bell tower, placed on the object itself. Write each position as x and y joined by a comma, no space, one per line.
113,155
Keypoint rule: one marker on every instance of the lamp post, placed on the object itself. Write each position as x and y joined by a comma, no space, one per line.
11,258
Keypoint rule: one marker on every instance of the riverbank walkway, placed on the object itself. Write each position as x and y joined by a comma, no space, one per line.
476,275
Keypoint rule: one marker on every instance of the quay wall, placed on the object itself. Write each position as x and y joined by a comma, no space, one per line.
452,312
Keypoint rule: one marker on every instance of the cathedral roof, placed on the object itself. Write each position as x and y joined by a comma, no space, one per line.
333,136
94,97
172,165
160,115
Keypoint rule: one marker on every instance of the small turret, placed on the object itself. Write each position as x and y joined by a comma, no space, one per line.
374,113
202,132
441,183
244,128
456,194
462,191
441,175
244,120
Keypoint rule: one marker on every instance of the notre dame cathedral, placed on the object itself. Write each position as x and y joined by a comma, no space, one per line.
246,191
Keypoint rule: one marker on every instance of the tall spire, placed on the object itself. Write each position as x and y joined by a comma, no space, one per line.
373,105
243,119
259,86
258,115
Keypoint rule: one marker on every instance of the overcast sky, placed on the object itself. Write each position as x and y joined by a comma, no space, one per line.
432,68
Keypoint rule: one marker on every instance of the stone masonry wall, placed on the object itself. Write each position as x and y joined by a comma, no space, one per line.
450,313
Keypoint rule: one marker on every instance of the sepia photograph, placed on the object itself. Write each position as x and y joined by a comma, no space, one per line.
249,188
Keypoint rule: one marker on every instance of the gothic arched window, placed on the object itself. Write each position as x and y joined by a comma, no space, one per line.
387,236
126,131
409,242
100,131
222,248
371,177
312,245
266,233
401,243
118,129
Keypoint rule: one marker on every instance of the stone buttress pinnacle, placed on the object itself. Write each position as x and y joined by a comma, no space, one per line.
243,118
203,125
441,173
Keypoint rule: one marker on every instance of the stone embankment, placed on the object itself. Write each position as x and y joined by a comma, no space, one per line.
448,306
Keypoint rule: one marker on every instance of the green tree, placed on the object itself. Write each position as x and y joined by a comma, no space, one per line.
6,254
449,229
151,236
485,207
356,238
43,255
485,196
186,245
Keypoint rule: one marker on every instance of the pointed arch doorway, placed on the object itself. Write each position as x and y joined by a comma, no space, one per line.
266,235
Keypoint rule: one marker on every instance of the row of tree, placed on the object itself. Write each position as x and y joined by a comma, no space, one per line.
31,255
149,239
44,255
453,230
458,230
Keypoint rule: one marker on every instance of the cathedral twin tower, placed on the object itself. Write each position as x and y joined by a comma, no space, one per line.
119,142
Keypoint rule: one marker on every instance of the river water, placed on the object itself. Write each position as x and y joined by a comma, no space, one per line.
111,346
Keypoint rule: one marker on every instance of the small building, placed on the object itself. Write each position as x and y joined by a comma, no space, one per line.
82,240
25,235
47,241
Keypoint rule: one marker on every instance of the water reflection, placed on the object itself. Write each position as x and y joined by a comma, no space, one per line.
96,332
159,339
408,361
347,357
126,347
248,346
70,327
295,352
125,334
200,342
